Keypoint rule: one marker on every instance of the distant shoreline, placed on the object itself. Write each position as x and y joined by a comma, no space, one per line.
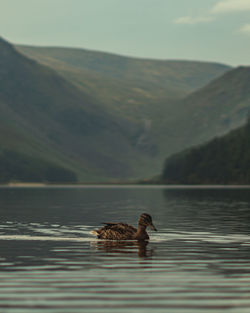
121,185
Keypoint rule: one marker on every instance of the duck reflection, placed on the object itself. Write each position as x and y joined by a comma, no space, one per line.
125,247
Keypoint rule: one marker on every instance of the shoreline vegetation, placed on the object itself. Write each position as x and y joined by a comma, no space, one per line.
223,160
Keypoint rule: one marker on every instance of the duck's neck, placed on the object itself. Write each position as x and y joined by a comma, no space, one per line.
141,233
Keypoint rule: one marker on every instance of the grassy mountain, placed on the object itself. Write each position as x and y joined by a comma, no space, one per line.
128,87
143,92
49,120
77,114
222,105
223,160
175,74
211,111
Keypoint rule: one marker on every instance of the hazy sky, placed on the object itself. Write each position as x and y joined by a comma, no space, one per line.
211,30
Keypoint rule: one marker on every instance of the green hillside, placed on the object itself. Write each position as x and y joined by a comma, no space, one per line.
131,88
220,106
212,111
99,117
144,92
45,117
184,76
223,160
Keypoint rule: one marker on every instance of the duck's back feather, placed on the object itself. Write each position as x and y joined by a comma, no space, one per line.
117,231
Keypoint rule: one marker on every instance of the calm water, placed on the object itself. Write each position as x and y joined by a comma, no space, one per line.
198,261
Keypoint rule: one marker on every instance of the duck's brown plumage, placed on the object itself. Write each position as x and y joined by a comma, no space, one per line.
122,231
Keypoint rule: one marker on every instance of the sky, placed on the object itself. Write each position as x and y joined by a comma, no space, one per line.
205,30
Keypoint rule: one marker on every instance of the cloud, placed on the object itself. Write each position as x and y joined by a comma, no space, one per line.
245,29
229,6
221,7
189,20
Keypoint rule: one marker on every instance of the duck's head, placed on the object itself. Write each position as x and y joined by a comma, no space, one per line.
146,220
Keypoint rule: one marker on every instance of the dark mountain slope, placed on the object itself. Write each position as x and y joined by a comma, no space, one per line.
224,160
48,118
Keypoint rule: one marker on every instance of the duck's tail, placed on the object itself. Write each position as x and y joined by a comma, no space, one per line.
94,232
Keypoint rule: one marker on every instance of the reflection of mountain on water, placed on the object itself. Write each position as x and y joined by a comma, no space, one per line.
125,247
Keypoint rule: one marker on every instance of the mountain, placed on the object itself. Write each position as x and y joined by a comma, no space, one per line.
78,115
127,87
220,106
211,111
184,76
49,121
146,93
223,160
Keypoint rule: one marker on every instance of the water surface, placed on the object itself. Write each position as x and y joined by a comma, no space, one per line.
198,261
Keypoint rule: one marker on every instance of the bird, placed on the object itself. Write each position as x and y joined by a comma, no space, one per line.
122,231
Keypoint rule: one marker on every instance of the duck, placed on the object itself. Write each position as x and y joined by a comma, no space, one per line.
122,231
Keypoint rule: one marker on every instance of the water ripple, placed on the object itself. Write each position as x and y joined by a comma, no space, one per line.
198,262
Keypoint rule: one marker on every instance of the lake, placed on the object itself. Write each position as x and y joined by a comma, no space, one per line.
198,261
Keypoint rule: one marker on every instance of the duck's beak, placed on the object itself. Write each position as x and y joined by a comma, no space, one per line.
152,227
